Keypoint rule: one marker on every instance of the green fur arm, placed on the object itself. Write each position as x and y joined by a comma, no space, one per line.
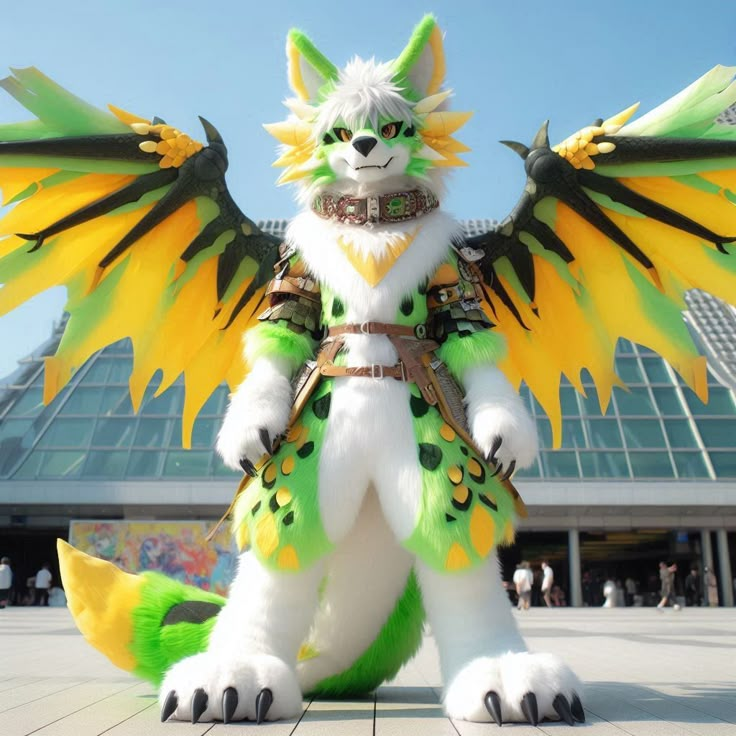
459,353
278,340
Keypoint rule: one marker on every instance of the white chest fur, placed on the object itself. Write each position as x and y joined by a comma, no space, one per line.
317,241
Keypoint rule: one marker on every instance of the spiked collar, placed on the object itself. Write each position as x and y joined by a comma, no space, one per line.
394,207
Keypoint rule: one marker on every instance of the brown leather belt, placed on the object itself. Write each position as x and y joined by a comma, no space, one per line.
372,328
376,371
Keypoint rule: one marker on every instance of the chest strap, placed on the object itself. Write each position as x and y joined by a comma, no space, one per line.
376,371
372,328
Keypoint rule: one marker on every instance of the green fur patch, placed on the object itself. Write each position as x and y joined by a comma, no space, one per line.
312,55
410,55
276,339
464,510
157,647
395,645
461,353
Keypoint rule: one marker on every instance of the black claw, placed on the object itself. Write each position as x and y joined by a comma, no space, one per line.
263,703
491,457
248,467
170,704
577,709
498,469
265,440
562,708
199,704
529,708
510,471
229,704
493,706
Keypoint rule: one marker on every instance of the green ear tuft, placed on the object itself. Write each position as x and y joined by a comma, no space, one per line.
421,65
309,68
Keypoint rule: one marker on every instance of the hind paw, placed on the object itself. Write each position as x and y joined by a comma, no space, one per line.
515,687
207,688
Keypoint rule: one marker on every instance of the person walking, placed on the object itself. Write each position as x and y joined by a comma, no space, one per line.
667,586
6,581
523,579
548,579
711,587
630,590
693,588
42,585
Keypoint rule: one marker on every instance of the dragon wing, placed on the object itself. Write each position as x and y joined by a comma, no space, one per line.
614,226
134,218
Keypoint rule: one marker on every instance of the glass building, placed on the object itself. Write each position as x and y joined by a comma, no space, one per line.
654,477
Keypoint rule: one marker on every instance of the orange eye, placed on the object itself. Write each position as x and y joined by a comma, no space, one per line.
343,134
390,130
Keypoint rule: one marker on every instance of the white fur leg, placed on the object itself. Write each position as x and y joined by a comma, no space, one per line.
253,645
262,401
365,577
470,615
496,410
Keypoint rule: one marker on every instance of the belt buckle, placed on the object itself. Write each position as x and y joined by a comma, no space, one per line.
377,372
365,328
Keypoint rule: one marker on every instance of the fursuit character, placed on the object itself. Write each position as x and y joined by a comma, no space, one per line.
379,422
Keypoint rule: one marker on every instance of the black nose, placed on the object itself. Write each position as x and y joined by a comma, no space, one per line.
364,144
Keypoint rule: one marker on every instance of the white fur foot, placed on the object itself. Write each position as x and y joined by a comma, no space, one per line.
512,677
248,676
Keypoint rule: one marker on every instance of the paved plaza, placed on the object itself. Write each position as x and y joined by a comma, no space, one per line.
646,672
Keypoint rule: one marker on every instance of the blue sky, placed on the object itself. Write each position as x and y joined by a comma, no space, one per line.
512,64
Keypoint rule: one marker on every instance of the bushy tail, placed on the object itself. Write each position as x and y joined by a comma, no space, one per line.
142,623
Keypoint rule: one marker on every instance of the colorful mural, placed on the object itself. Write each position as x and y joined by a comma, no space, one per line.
178,549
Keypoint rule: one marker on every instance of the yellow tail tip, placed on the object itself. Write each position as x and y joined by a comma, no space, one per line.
101,598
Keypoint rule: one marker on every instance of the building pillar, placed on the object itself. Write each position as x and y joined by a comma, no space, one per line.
706,549
573,551
724,563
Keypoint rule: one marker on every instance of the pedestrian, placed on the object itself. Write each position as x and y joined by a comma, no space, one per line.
667,585
693,588
548,579
523,579
42,585
711,586
609,594
6,581
630,590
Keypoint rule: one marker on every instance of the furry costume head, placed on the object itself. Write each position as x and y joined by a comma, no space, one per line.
370,125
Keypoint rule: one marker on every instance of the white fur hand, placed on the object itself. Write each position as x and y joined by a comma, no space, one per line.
258,412
498,420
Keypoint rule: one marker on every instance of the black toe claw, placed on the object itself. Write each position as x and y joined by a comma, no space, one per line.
199,704
562,708
263,703
170,704
576,708
493,706
498,469
491,457
265,440
248,467
510,471
529,708
229,704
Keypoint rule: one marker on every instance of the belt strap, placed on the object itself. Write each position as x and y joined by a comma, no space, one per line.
370,371
372,328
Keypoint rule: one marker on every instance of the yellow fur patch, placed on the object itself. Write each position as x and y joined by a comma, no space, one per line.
372,268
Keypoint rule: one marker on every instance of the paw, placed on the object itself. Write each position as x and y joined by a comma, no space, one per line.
209,688
258,413
515,687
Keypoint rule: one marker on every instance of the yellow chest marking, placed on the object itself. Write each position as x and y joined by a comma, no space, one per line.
373,268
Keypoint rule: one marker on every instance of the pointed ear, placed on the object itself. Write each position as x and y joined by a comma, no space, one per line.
309,69
421,64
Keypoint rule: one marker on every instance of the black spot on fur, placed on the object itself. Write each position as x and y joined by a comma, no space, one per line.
430,456
328,139
450,517
266,484
410,132
256,508
338,308
288,518
465,505
464,450
422,288
305,450
191,612
487,501
321,407
273,504
419,407
407,306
